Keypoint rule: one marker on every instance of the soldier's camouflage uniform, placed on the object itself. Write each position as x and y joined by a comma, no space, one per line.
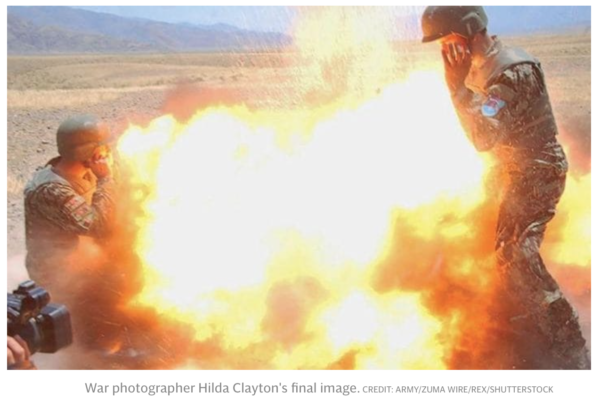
505,109
57,212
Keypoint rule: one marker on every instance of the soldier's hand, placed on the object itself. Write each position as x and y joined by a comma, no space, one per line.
456,53
457,63
101,166
16,351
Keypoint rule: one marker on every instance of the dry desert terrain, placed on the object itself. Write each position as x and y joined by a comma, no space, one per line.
44,90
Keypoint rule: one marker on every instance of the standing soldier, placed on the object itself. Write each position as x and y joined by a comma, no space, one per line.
68,198
501,99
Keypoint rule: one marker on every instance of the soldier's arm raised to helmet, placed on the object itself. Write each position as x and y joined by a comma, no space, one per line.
61,205
487,119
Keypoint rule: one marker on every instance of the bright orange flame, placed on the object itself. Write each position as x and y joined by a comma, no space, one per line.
574,224
228,205
264,229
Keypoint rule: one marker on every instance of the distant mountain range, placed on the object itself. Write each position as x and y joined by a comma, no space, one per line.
46,30
512,20
72,30
25,37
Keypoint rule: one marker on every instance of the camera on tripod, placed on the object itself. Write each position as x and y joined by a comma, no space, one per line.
45,327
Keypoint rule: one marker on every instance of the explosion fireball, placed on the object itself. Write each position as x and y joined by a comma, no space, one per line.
353,232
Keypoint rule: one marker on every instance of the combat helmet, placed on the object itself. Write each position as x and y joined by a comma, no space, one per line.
440,21
79,136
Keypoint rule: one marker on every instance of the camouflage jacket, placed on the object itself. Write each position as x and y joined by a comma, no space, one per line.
58,211
504,107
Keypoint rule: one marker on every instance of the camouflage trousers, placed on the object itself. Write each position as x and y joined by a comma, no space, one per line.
89,292
542,328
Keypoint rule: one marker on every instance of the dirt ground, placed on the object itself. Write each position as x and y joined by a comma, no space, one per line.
43,91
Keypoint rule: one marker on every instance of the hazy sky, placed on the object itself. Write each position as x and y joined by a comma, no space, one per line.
280,19
261,18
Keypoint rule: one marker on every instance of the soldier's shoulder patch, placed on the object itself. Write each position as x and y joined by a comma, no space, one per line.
492,106
79,211
74,203
83,215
